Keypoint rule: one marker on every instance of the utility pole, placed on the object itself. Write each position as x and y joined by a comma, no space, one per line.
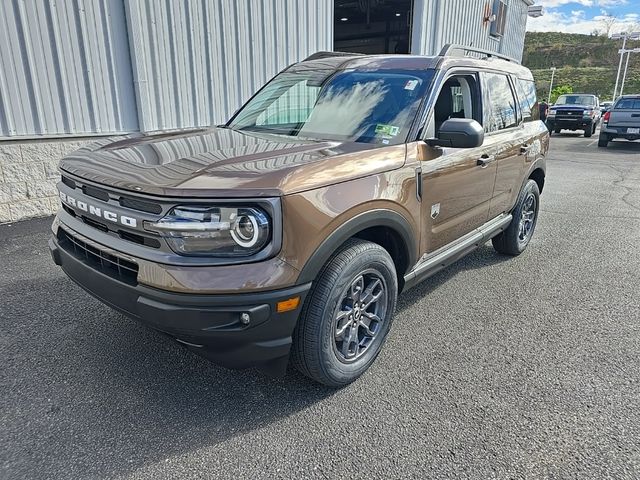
626,67
624,36
553,74
624,44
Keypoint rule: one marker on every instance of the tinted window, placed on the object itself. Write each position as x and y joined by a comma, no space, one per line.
527,99
352,105
500,106
628,104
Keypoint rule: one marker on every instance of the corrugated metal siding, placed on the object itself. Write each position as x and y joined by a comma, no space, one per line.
197,62
436,23
64,68
513,40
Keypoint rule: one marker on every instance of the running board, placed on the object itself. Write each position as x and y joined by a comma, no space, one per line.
445,256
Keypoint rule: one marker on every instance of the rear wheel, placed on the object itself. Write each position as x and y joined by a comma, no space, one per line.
603,140
347,315
514,240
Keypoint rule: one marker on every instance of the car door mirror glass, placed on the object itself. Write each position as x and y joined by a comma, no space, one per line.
459,133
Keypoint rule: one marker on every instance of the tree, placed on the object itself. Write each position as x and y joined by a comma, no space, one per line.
607,23
560,90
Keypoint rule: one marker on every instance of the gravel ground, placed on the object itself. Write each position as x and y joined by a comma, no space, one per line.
495,368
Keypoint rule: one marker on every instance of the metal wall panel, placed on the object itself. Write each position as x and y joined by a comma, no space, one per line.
196,62
438,22
64,68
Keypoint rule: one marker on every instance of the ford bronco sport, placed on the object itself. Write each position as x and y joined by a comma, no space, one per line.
290,230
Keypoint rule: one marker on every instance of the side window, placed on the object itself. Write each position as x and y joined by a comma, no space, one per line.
500,105
527,99
458,98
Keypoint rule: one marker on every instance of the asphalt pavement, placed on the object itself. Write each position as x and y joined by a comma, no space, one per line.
498,367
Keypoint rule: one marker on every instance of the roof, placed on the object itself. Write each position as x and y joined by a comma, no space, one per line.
337,60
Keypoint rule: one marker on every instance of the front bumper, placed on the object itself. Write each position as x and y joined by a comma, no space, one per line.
207,324
578,123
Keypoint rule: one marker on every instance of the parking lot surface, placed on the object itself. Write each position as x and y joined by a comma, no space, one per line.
498,367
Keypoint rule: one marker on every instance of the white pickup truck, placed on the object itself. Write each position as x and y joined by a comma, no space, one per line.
621,121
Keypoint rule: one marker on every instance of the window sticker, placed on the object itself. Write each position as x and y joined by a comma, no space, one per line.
411,85
391,130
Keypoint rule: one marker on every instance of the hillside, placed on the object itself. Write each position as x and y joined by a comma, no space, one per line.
587,63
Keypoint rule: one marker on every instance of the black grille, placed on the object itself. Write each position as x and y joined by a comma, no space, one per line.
96,193
111,265
68,182
570,115
141,205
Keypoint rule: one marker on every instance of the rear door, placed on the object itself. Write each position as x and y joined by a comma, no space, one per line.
506,132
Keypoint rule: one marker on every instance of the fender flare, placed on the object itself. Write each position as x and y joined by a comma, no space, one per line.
372,218
539,163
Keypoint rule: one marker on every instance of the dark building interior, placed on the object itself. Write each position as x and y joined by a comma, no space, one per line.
372,26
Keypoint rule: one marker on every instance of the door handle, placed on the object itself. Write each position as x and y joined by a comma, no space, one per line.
485,160
525,149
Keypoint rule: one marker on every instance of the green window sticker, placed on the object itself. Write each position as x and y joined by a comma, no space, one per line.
390,130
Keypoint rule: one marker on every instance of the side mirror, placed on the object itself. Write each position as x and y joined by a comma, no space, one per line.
459,133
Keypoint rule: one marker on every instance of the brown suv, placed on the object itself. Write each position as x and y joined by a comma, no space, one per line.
291,230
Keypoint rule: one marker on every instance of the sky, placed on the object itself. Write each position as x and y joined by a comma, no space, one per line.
585,16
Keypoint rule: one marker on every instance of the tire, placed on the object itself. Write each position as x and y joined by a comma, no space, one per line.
318,349
591,129
603,140
512,241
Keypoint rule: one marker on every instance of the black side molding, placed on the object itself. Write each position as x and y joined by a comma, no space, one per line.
448,254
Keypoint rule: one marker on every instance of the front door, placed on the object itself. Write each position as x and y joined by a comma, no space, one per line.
457,182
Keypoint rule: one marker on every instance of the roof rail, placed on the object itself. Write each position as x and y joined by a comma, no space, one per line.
449,51
319,55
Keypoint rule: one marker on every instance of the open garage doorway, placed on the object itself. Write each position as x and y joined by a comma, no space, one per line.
372,26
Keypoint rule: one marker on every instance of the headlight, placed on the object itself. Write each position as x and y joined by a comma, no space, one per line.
214,230
551,113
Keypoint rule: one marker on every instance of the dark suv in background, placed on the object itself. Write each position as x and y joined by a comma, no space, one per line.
575,112
292,229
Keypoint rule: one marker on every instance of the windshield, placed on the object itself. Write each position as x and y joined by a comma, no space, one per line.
348,105
576,100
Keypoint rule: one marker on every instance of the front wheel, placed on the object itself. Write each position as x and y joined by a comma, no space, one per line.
590,130
514,240
347,315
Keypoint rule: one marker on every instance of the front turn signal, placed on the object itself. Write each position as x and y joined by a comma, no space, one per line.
288,305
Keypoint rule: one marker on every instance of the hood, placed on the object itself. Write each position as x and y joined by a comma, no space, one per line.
219,162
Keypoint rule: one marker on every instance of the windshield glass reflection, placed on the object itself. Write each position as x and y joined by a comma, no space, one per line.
360,106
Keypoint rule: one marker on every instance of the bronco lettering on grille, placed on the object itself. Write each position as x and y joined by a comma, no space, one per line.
98,211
